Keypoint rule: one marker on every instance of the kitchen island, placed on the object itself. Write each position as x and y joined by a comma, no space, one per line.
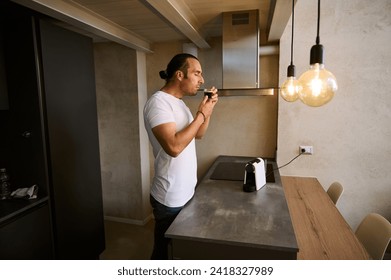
222,221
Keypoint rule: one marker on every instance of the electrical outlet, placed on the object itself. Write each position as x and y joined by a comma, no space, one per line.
306,150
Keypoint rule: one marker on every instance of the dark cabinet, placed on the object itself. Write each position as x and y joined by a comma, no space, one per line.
72,131
28,235
50,138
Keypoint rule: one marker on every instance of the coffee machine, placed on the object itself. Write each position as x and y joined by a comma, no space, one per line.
254,175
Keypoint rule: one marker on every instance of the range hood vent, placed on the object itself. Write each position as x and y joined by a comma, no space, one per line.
240,18
241,50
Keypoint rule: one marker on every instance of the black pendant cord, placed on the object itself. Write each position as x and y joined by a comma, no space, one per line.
317,34
293,22
316,55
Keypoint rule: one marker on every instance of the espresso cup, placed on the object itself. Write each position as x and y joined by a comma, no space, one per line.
208,93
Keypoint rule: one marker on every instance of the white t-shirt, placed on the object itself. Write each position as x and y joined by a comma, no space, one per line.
175,179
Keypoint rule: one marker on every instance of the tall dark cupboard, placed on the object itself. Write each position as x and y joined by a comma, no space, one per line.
49,137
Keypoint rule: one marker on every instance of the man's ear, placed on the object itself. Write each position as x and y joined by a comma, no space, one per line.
179,75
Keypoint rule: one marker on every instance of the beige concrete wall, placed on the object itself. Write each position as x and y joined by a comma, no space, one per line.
350,135
125,191
145,165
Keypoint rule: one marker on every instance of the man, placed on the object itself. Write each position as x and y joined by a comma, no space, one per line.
171,130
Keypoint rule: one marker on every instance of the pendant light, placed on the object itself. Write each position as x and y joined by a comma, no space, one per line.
291,87
318,84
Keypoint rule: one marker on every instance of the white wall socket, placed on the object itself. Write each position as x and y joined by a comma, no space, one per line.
306,150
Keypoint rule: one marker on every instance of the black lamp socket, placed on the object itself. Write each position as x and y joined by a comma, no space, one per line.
316,54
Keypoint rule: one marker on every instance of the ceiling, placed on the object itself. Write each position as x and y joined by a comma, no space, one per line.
140,23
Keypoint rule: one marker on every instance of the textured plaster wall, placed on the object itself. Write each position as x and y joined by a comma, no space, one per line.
122,144
351,134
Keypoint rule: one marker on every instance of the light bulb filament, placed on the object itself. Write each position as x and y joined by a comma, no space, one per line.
290,89
316,86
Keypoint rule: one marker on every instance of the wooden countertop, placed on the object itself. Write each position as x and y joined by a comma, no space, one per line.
221,212
321,231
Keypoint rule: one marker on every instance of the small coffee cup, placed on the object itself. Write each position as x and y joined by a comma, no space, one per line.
208,93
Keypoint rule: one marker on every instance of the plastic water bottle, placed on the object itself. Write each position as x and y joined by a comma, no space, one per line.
5,185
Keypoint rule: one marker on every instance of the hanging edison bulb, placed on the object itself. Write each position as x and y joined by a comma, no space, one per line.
318,84
291,87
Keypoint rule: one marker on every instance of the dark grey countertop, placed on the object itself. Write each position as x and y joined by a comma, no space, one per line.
221,212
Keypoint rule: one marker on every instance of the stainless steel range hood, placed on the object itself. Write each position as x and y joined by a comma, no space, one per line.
240,49
240,54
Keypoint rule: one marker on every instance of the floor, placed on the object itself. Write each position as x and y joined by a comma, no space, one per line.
128,241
